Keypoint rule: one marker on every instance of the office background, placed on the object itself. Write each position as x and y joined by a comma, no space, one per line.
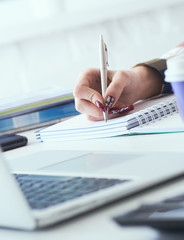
47,43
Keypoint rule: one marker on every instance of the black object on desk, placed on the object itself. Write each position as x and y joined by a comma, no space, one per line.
167,215
11,141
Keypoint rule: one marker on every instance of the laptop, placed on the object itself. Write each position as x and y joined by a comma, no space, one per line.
73,182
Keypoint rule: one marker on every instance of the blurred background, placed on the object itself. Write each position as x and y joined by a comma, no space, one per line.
47,43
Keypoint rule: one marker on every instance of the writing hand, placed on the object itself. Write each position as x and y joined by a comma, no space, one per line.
124,89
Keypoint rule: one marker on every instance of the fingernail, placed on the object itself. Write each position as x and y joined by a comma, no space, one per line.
126,109
109,102
100,106
123,110
113,110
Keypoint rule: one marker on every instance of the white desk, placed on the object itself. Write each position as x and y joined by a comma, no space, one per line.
98,224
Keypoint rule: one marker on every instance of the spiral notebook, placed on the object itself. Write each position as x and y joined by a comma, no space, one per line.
158,115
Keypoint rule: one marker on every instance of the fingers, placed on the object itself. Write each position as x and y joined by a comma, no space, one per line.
88,98
88,94
88,86
113,113
94,114
91,118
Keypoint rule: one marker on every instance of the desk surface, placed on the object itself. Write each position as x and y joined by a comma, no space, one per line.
99,224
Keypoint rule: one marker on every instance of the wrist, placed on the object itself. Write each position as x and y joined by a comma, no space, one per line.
149,81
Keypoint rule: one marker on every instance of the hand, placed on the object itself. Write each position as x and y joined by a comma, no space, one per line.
124,89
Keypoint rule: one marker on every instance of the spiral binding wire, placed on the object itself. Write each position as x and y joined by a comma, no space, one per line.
154,113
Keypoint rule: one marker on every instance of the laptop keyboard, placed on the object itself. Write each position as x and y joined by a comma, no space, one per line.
45,191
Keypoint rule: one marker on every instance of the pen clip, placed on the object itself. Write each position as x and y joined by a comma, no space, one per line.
106,55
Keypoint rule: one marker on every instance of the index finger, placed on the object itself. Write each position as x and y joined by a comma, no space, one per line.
120,80
88,87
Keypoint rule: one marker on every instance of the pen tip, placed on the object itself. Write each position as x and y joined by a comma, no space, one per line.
106,116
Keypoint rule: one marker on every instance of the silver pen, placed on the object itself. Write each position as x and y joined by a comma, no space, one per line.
103,71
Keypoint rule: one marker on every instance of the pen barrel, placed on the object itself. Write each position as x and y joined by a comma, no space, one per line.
103,81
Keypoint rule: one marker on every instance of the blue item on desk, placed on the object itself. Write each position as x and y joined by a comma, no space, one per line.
32,118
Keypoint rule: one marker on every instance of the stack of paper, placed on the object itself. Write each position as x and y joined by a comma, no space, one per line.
35,109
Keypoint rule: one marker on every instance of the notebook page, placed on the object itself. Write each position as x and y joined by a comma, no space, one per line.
172,123
80,124
80,128
82,136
